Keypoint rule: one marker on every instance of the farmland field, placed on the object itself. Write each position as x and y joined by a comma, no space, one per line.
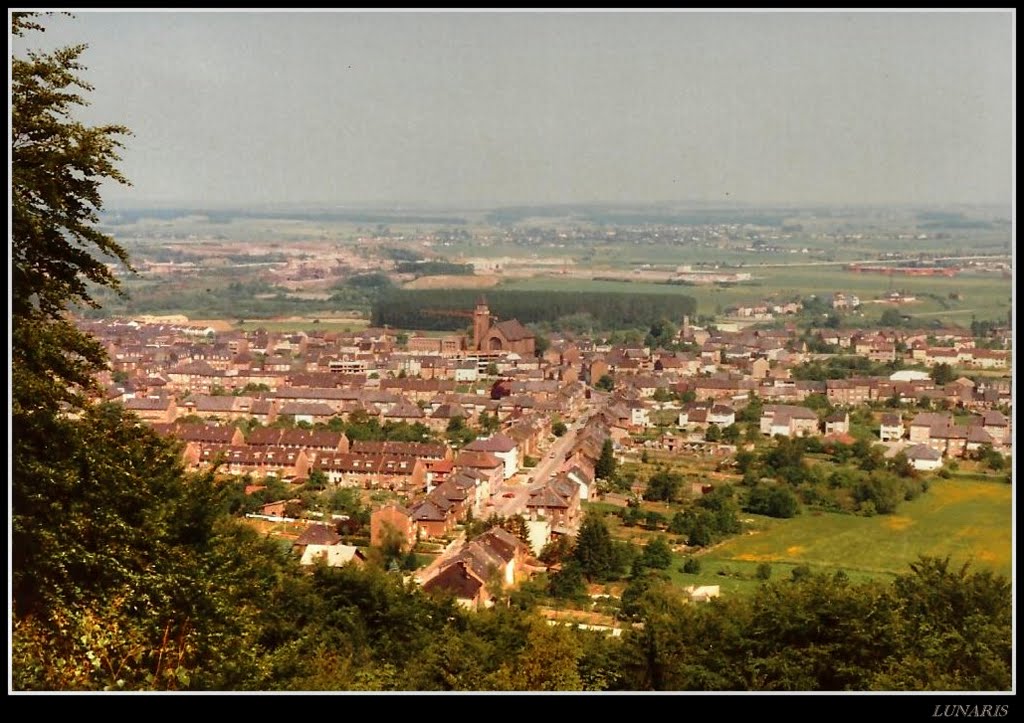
979,296
967,519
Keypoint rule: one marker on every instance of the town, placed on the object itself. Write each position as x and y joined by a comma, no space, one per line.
454,430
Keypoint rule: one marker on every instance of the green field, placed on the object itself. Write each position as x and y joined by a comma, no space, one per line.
964,518
980,296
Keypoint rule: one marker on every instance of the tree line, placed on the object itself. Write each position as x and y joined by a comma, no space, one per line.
423,308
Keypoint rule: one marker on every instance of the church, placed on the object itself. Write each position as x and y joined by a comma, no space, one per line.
508,336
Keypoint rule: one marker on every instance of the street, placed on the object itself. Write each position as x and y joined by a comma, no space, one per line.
548,466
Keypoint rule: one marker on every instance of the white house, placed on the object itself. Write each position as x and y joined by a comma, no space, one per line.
467,371
722,415
891,428
924,458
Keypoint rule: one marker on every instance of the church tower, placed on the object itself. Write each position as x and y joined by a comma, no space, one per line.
481,322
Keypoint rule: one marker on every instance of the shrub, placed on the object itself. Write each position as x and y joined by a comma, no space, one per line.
691,566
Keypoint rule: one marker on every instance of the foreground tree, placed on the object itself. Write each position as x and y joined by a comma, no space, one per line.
57,167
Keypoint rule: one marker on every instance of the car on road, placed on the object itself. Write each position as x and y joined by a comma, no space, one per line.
509,494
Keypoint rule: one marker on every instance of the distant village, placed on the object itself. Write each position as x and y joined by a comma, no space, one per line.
263,404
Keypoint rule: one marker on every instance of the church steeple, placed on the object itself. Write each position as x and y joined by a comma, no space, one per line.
481,322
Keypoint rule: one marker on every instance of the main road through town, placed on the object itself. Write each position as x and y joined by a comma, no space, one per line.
514,493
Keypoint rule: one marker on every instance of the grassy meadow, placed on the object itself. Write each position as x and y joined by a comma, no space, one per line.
966,518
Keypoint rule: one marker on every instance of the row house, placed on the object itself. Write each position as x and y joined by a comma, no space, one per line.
461,498
201,378
308,412
582,476
513,407
939,432
439,419
463,583
417,389
755,368
195,436
259,461
647,386
683,364
403,411
358,364
538,389
325,380
422,450
989,359
373,471
314,441
272,380
331,396
153,409
848,391
710,388
940,355
949,440
222,407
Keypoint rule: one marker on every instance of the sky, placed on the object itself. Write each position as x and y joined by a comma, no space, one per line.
501,108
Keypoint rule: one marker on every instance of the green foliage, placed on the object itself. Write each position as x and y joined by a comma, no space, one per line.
597,556
559,429
606,383
458,433
57,167
433,268
774,501
691,566
656,554
556,550
664,486
764,571
662,333
488,423
606,463
568,583
403,308
942,374
841,367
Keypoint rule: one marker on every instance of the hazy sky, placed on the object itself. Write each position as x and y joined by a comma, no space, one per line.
514,107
